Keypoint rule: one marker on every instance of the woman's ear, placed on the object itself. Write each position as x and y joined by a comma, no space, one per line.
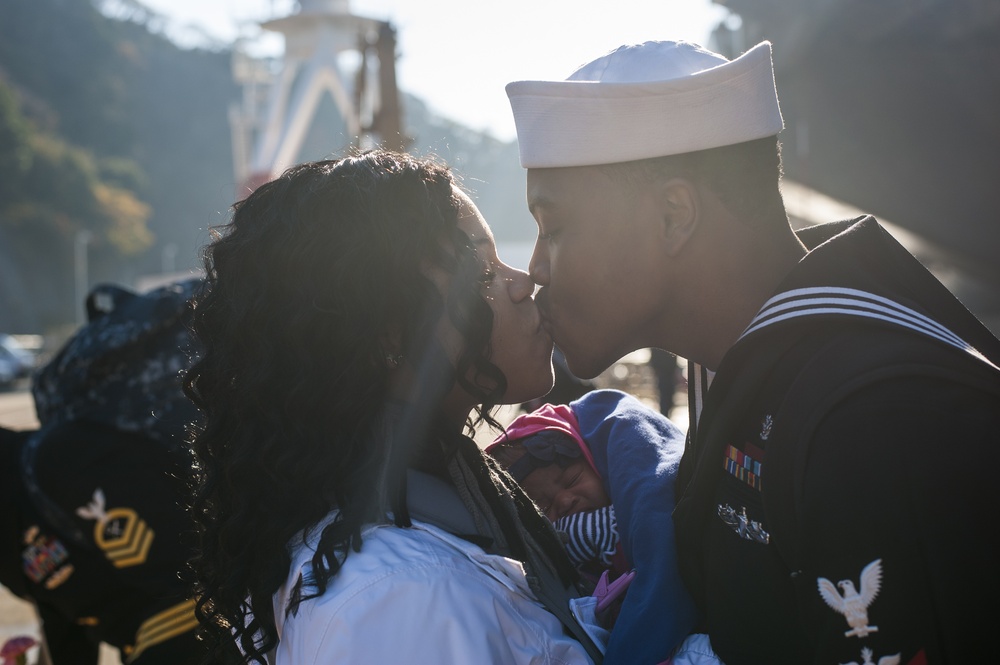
680,204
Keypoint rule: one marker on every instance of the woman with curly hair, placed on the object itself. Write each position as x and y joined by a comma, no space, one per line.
356,322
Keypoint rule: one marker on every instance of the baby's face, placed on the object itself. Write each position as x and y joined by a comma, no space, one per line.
566,491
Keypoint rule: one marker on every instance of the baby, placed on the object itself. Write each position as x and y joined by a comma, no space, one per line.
543,451
602,468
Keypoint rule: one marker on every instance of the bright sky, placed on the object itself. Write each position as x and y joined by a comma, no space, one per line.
457,55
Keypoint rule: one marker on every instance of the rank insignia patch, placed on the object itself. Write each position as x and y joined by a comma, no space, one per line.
853,604
741,465
122,535
745,528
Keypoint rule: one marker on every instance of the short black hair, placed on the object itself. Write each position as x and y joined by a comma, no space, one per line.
745,176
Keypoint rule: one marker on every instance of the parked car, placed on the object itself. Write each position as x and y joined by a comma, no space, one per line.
16,362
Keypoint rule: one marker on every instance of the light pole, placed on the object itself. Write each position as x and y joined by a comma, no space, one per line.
80,243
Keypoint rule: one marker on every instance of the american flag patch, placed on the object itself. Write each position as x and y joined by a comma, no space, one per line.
742,466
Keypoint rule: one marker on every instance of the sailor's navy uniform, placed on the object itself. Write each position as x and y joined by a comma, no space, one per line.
837,497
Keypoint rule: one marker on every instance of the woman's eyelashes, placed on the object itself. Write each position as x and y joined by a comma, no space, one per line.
487,277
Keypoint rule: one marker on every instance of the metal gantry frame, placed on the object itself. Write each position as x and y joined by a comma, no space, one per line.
280,99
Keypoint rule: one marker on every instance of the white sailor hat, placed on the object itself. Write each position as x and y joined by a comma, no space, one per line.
652,99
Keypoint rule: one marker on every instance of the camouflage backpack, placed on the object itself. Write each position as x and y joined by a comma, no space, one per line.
124,367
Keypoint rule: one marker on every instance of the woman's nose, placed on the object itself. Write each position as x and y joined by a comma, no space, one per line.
520,285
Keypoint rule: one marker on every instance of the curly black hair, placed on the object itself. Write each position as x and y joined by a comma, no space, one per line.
301,284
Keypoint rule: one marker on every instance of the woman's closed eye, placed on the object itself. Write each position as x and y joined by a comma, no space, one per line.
488,275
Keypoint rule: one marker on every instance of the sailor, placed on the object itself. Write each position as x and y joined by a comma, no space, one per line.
93,524
95,540
836,494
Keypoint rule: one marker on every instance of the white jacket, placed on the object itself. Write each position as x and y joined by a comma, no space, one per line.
419,595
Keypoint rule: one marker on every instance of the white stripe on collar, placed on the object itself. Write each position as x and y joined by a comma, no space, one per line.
699,381
852,302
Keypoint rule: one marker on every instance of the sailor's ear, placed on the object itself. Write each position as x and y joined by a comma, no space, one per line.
680,206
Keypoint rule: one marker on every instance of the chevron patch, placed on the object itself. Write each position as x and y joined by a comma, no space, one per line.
122,535
163,626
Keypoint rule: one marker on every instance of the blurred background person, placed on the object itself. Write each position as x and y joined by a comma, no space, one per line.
94,531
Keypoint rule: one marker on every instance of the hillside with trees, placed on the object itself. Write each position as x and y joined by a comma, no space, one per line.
116,141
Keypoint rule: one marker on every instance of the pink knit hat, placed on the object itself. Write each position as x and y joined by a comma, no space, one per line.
555,417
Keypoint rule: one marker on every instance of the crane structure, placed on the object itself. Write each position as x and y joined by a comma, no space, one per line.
324,42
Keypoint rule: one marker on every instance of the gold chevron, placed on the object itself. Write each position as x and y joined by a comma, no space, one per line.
163,626
134,555
131,547
130,519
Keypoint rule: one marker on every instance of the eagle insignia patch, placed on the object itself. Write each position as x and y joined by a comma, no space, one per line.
853,604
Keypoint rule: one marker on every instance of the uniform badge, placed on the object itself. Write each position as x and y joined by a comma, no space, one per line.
163,626
745,528
854,604
44,559
765,427
744,466
122,535
31,534
60,576
866,656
